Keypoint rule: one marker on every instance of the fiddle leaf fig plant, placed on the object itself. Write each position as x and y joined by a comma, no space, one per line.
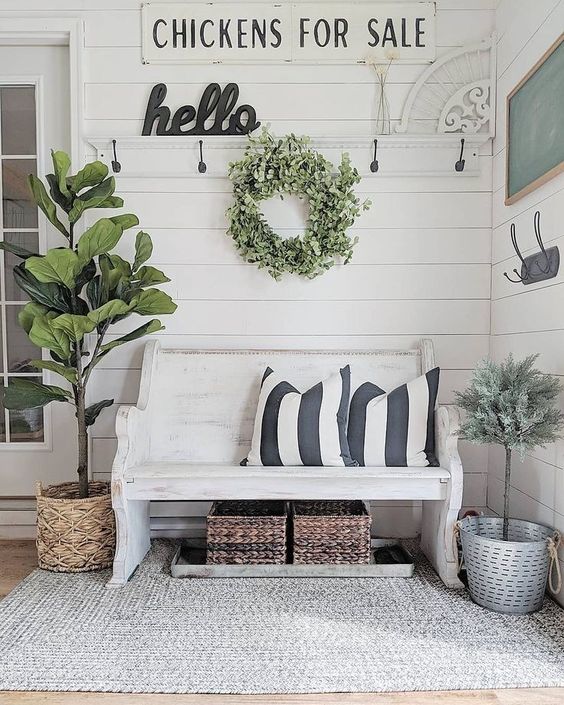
81,289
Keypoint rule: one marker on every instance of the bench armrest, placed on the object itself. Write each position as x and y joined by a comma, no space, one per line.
447,425
132,430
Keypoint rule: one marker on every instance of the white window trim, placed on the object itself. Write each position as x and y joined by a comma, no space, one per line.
41,31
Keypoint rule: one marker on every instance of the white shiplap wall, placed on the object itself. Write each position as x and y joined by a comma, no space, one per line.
527,320
421,268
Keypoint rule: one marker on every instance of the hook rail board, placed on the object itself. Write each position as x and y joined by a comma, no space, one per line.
397,155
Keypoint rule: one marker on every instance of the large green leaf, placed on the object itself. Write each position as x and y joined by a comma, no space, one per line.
30,312
61,166
102,237
93,291
74,326
91,413
112,202
20,252
28,394
115,307
125,220
153,302
54,296
87,273
60,265
152,326
92,198
69,373
63,201
92,174
44,335
149,276
143,249
45,203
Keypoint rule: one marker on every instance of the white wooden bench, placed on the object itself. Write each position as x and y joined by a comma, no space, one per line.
193,423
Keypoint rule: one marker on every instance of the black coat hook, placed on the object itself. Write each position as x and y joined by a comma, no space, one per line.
545,269
524,269
202,167
374,166
459,165
116,166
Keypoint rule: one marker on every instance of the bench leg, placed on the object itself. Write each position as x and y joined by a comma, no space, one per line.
437,539
132,533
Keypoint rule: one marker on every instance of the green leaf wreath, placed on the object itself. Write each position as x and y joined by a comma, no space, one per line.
274,166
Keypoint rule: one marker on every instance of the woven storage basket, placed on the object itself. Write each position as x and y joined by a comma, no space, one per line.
247,532
331,532
505,576
75,535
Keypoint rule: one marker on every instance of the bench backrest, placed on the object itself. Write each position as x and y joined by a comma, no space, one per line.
202,403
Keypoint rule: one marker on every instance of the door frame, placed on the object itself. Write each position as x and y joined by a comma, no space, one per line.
66,31
35,30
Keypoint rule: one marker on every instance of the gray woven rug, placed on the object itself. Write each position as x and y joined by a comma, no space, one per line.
159,634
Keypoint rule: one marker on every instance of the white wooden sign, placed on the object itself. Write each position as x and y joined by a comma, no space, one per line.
323,32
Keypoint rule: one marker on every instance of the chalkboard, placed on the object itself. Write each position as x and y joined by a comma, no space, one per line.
535,125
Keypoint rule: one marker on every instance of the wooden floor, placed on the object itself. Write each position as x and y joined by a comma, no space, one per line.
17,559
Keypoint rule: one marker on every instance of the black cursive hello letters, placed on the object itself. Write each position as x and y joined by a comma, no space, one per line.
214,100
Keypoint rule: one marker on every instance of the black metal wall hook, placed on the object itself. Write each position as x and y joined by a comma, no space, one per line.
202,166
374,166
116,166
538,266
459,165
524,270
536,224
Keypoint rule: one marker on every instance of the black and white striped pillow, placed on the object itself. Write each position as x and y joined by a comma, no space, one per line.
394,429
309,428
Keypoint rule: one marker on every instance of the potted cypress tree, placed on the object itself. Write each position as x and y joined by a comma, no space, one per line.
77,293
511,404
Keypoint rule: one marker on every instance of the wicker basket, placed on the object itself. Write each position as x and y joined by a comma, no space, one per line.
331,532
75,535
505,576
247,532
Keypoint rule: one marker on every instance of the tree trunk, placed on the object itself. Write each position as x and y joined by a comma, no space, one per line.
506,493
82,445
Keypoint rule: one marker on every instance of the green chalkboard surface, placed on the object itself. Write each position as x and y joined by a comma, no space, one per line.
535,125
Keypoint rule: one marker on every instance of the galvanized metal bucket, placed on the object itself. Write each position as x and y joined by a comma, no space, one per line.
507,576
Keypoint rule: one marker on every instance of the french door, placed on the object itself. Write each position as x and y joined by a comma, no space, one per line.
35,444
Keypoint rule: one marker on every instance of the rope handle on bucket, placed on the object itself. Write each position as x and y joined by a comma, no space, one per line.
553,542
455,537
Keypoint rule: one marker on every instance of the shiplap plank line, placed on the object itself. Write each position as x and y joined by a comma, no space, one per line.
341,283
550,201
550,346
422,317
404,210
540,310
415,246
296,101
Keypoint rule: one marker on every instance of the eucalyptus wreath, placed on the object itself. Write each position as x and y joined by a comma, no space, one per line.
288,165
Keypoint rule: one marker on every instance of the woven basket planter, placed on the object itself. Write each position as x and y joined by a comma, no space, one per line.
250,532
75,535
335,532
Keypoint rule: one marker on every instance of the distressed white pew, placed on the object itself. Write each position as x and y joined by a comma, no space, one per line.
193,423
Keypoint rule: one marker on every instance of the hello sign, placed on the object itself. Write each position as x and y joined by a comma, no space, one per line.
324,32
